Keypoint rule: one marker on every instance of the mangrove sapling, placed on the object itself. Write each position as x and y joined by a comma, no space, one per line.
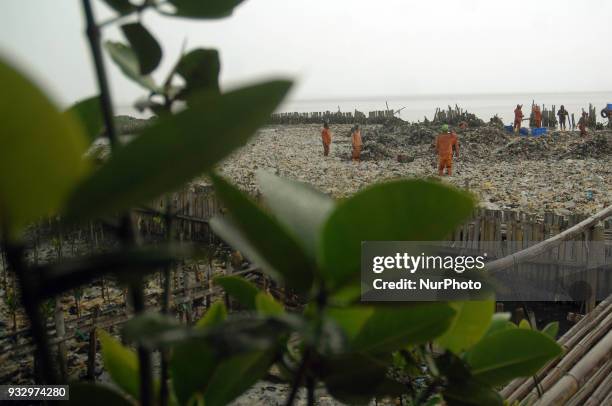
126,234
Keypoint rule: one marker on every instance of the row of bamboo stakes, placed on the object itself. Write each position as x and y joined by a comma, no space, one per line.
186,301
338,117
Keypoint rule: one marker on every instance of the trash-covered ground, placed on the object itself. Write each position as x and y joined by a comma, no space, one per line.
559,172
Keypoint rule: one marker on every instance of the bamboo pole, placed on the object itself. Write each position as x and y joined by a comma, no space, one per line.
598,396
593,382
572,357
520,388
569,384
93,343
60,328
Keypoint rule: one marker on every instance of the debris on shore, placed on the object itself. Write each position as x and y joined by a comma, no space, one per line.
559,172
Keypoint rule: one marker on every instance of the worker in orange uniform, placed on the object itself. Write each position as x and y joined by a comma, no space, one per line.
326,138
518,117
357,143
537,115
446,143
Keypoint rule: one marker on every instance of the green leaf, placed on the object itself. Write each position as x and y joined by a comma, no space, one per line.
384,329
175,149
471,321
121,363
403,210
200,68
524,324
127,60
41,158
204,9
351,319
461,388
88,113
499,321
435,400
121,6
95,395
235,375
471,393
239,334
191,366
298,206
278,253
267,305
508,354
149,324
214,316
551,330
356,378
199,369
346,295
144,45
239,288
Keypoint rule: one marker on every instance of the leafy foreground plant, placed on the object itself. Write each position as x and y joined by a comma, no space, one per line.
336,341
306,242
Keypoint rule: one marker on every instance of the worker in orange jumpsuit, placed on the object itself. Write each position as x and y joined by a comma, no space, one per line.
357,143
446,143
582,123
518,117
537,115
326,138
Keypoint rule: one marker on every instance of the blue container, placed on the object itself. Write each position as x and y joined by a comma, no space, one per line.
509,128
536,132
524,131
609,106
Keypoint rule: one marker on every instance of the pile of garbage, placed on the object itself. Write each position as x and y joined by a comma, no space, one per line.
390,141
597,146
504,170
525,148
558,145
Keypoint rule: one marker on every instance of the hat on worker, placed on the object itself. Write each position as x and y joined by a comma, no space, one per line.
445,128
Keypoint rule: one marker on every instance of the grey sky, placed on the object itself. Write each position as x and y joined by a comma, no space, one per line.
343,48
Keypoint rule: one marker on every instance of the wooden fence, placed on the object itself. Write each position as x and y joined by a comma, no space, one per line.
373,117
193,207
583,255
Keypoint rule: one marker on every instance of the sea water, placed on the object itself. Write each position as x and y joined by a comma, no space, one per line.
484,106
417,108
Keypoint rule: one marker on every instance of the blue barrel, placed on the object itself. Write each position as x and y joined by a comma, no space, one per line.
609,106
509,128
536,132
524,131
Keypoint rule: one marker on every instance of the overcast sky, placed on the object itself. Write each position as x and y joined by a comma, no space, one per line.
342,48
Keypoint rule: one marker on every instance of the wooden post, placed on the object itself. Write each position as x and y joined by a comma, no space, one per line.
595,258
60,331
93,343
187,287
